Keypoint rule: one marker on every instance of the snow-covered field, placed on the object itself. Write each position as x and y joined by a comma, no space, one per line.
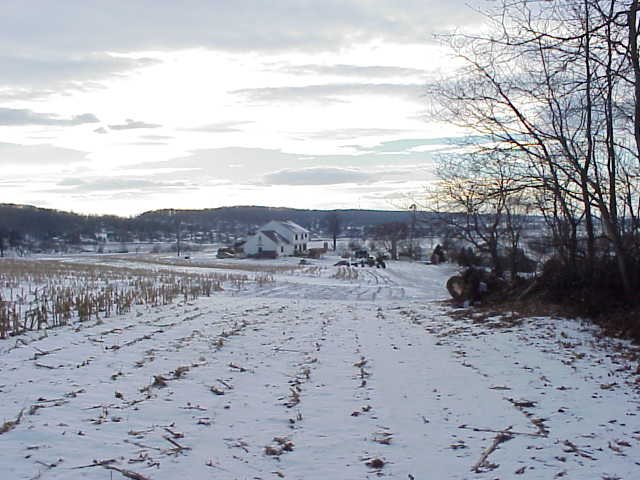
324,374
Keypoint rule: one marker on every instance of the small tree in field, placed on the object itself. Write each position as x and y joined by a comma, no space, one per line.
483,195
390,233
333,226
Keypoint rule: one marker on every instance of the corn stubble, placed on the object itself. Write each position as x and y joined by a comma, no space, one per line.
35,295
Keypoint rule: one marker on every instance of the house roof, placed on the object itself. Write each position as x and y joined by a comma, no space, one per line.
293,226
274,236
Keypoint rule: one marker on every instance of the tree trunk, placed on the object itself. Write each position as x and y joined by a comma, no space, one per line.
394,249
584,183
632,23
495,257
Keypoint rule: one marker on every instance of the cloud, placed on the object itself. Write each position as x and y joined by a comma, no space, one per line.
222,163
358,71
86,26
220,127
40,74
261,166
212,175
156,137
54,68
329,93
133,124
117,184
316,176
26,155
84,118
420,145
147,143
23,116
61,47
351,133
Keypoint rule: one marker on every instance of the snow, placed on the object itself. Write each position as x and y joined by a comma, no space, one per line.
320,376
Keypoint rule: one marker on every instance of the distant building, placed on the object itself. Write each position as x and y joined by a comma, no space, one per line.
103,236
276,239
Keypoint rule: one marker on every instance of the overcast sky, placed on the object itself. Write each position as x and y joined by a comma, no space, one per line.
126,106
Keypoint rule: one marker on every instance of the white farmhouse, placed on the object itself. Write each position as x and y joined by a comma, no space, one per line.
277,238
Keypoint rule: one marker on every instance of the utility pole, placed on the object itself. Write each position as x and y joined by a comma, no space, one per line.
413,207
172,213
178,232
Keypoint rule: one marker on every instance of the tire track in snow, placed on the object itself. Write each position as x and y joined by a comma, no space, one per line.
415,401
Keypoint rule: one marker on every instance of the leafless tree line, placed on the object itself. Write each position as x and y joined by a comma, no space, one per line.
552,91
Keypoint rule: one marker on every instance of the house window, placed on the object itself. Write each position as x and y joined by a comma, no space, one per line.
281,249
259,249
304,246
296,236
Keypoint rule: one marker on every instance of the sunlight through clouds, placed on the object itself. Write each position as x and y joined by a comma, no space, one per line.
321,89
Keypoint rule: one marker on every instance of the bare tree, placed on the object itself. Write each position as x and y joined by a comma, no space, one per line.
548,88
333,226
483,197
390,233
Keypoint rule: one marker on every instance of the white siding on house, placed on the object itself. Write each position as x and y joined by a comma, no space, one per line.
282,237
259,243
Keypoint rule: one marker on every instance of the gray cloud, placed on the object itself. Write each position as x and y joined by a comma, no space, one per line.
22,116
24,155
117,184
13,93
358,71
329,93
409,145
222,164
351,133
45,70
316,176
61,46
260,165
41,74
133,124
156,137
88,25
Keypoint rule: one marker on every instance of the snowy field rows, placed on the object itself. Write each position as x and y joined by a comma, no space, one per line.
322,373
37,295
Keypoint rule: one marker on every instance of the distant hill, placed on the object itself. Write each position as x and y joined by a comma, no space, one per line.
43,222
254,216
214,224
